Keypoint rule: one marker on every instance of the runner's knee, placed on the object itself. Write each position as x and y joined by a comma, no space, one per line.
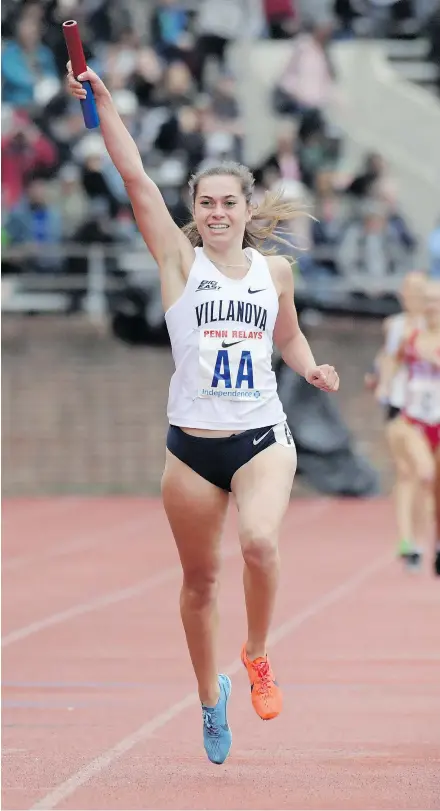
200,586
259,546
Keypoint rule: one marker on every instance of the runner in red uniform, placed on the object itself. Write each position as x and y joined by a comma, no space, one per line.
420,352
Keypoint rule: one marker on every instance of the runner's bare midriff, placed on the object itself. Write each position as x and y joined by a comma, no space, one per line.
206,433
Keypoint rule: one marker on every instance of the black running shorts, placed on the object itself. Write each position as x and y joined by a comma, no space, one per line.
217,459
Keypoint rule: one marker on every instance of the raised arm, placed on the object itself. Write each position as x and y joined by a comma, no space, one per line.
164,239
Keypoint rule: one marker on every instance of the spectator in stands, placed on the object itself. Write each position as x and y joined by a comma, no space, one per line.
25,62
307,82
24,150
282,18
94,180
284,161
106,19
223,117
375,245
177,85
346,13
181,133
120,58
316,149
219,24
327,229
372,170
170,31
318,265
65,129
98,228
35,220
70,199
156,85
146,77
375,183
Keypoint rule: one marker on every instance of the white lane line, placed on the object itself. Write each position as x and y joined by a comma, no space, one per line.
80,609
102,762
310,512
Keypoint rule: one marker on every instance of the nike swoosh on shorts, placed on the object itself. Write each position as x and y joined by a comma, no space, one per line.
260,439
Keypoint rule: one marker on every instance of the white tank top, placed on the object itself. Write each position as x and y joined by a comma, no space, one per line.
395,334
221,338
399,382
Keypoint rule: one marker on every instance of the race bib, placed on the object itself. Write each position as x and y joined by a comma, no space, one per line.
424,400
233,364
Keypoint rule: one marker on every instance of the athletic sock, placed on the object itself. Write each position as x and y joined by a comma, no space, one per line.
404,547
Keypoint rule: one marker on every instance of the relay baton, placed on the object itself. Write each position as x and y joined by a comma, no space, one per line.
79,65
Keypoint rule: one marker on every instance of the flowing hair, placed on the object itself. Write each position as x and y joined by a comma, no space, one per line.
272,211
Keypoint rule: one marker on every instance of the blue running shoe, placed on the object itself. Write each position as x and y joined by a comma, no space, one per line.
217,736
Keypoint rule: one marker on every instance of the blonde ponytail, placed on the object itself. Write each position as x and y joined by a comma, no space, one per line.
268,215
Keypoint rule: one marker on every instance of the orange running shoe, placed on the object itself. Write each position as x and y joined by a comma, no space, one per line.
267,698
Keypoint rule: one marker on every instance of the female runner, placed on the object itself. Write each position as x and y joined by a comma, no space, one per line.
390,392
420,416
224,301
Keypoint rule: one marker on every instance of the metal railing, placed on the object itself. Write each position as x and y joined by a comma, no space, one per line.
112,269
47,291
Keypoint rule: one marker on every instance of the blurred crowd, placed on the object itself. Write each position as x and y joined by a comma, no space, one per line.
166,64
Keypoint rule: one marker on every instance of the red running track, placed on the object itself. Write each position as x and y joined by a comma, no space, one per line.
99,710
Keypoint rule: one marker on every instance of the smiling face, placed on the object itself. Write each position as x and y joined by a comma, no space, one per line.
28,32
221,211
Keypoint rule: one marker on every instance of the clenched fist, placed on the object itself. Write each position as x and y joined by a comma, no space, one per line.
323,377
